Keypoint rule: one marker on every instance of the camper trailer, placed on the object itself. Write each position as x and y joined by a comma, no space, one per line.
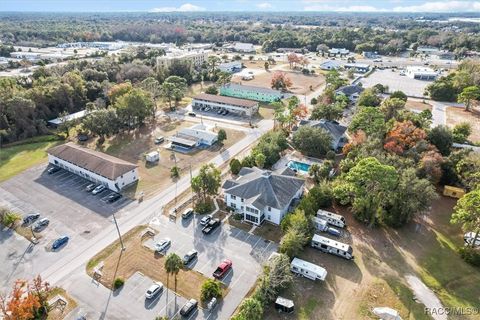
331,246
284,305
322,225
332,218
153,156
307,269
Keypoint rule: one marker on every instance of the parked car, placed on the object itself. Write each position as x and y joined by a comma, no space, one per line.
220,111
90,187
187,213
99,189
206,219
30,218
188,308
60,242
53,169
211,305
222,269
211,225
192,114
159,139
225,112
153,290
113,197
162,244
40,224
190,256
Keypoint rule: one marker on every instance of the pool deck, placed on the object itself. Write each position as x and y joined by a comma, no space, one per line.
295,156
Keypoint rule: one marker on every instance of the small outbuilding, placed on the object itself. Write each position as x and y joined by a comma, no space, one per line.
153,156
284,305
453,192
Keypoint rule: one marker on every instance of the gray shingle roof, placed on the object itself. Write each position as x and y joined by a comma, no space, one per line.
349,90
335,130
253,88
264,188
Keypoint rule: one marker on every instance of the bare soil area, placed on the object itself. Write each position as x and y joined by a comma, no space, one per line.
459,115
417,106
302,84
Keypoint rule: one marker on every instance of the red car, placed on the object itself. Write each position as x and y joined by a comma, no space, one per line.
222,269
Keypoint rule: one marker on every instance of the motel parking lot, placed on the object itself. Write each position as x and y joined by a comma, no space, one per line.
60,197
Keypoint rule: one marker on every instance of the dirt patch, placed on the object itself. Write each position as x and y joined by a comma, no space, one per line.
459,115
58,312
302,84
239,224
417,106
138,258
269,231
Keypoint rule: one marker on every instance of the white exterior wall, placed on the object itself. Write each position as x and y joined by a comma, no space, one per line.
122,181
273,215
204,137
248,111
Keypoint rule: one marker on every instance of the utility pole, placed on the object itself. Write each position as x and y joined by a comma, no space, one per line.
118,231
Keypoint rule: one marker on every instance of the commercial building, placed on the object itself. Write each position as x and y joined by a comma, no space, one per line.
421,73
251,92
197,135
98,167
330,65
215,102
231,67
338,52
261,195
357,67
195,57
243,47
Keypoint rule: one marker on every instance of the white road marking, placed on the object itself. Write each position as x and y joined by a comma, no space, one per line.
259,238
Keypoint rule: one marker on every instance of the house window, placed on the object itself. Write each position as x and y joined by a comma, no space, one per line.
269,208
241,199
251,218
233,205
233,197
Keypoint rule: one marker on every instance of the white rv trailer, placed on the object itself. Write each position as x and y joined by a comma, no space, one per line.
320,224
331,246
307,269
332,218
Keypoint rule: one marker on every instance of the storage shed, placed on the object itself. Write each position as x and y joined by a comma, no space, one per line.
453,192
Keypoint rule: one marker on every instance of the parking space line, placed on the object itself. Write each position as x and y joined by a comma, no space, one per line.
172,300
269,243
236,281
140,283
206,263
259,238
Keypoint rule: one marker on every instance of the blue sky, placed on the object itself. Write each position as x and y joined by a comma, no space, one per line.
242,5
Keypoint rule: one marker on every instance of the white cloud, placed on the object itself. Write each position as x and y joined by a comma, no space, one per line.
342,9
264,5
186,7
442,6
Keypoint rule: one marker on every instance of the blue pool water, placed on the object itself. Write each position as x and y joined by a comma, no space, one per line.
299,166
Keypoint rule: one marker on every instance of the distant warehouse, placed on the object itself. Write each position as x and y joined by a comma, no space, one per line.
251,92
95,166
240,106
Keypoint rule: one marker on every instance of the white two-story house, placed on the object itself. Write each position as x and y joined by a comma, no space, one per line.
262,194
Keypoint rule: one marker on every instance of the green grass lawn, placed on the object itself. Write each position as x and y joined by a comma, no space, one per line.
18,158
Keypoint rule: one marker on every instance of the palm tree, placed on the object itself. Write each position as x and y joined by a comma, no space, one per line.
212,62
173,264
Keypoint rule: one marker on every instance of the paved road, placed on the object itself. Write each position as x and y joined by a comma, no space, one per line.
139,213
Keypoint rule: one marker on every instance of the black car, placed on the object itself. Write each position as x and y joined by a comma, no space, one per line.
53,169
113,197
188,307
211,225
190,256
30,218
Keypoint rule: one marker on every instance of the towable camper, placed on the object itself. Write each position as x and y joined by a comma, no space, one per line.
307,269
322,225
284,305
332,218
333,247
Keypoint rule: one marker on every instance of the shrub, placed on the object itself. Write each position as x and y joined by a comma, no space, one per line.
210,289
470,255
119,282
330,155
235,166
204,207
9,218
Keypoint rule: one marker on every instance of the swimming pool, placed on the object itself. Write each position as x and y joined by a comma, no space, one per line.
298,166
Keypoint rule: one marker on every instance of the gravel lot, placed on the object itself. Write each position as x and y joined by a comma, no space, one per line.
395,81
